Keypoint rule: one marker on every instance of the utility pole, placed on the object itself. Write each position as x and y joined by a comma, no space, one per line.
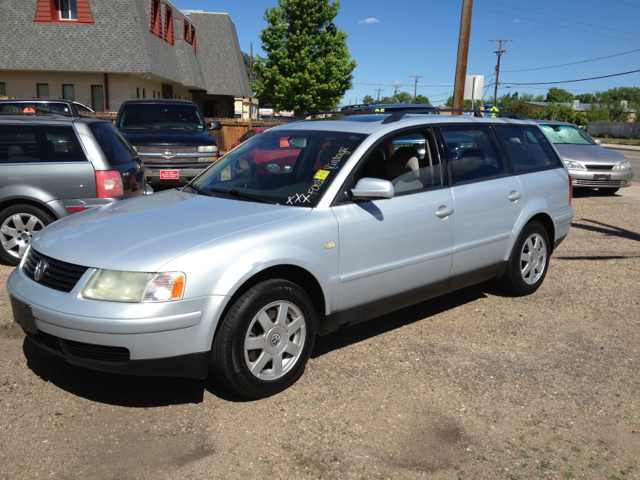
415,88
395,91
463,52
378,90
499,53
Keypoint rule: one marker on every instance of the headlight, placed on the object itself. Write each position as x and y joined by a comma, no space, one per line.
206,159
573,165
134,287
622,166
207,148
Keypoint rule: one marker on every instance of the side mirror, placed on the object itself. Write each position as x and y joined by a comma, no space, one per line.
598,141
373,188
215,125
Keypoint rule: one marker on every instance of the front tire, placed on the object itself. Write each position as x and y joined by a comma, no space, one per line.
18,225
529,261
265,339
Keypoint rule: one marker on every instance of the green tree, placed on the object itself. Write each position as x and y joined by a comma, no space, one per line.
308,66
368,99
404,97
561,113
586,98
422,99
558,95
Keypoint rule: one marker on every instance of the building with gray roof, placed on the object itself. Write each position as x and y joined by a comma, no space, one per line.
103,52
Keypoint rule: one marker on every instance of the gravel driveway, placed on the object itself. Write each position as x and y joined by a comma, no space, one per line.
473,385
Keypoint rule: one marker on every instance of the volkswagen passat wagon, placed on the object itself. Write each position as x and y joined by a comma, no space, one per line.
304,228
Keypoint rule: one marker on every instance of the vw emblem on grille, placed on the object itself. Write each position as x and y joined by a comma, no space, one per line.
41,267
168,154
275,339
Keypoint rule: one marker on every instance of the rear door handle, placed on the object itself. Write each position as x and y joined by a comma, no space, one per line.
444,211
515,195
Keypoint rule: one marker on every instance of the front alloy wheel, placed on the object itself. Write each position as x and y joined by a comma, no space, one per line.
18,225
265,339
274,340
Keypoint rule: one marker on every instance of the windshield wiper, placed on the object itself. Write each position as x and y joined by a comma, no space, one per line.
201,192
139,125
238,195
180,127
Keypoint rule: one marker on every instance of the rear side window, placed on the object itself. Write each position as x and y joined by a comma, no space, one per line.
39,143
474,153
115,147
36,107
527,148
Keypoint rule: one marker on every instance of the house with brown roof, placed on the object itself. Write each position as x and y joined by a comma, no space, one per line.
103,52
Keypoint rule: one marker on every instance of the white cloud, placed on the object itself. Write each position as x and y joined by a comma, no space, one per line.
517,20
369,20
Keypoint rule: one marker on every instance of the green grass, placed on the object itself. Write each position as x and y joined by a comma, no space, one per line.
568,474
576,449
544,466
524,454
564,459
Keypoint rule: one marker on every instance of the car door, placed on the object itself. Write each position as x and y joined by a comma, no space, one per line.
390,247
488,200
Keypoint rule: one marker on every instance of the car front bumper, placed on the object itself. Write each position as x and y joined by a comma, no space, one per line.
601,178
162,339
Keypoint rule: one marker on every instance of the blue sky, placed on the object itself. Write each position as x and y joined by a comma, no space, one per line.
393,39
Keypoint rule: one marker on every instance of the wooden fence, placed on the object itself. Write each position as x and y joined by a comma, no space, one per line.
232,128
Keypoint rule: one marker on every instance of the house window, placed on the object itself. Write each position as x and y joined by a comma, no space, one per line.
43,90
168,25
3,89
68,92
144,93
193,37
154,94
67,9
97,98
156,18
138,92
185,31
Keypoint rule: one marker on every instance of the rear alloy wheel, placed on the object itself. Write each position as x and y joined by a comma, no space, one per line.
18,225
265,339
607,191
528,263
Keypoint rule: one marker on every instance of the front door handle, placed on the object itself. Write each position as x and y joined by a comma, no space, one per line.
515,195
444,211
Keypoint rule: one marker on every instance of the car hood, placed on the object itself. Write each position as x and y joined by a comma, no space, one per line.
144,233
589,154
168,137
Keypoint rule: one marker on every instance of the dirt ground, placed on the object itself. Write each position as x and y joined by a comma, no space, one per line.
473,385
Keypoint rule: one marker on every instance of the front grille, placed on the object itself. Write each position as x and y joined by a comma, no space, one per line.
167,148
59,275
84,351
599,183
599,167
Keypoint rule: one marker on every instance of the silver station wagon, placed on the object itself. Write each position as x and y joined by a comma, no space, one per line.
322,222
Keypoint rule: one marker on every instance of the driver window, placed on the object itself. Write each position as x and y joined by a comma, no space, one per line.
409,161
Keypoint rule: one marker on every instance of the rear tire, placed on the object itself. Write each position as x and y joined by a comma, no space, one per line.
528,262
608,191
18,225
265,339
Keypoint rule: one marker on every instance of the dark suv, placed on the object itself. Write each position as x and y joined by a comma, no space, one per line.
52,166
171,137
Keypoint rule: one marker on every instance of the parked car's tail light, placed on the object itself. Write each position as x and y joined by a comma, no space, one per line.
570,190
134,287
109,183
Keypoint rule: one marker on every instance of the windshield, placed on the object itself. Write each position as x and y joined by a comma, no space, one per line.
136,116
283,167
566,134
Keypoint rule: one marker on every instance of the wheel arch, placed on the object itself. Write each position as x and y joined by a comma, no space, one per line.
11,202
548,225
293,273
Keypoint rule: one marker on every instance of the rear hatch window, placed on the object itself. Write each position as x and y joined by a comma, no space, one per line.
115,147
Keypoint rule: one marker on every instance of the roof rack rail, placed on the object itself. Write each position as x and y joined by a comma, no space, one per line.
395,116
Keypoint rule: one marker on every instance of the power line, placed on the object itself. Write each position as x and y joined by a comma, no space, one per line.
406,84
579,80
573,63
547,23
560,18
